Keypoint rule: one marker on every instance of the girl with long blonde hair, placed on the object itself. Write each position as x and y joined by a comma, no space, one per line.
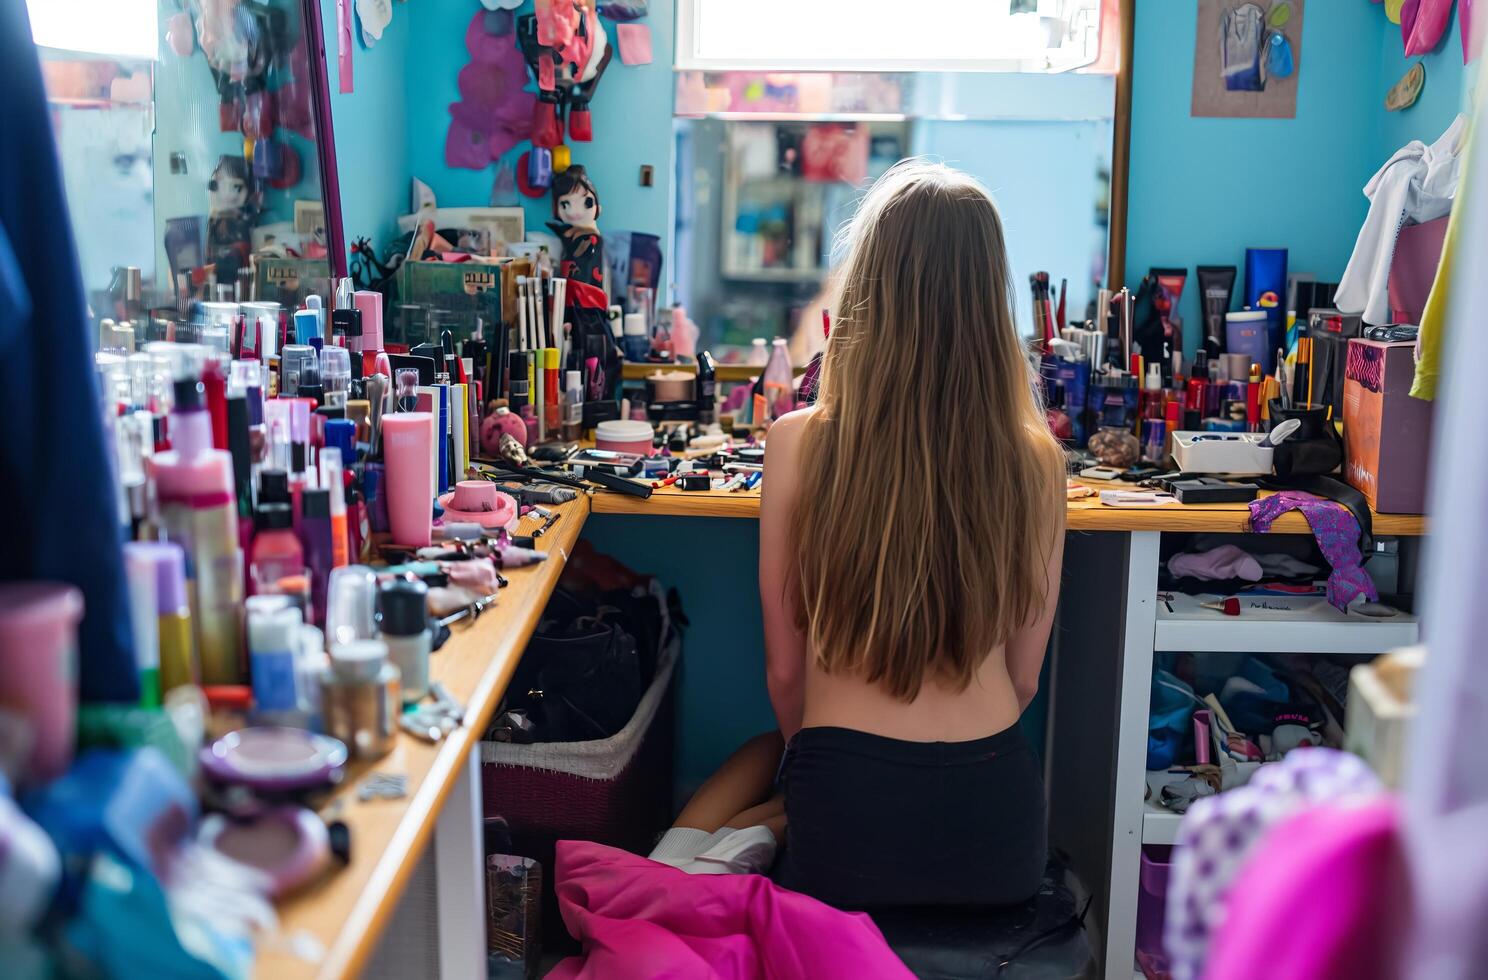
911,533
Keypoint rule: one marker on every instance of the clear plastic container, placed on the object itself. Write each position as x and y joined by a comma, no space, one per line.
335,375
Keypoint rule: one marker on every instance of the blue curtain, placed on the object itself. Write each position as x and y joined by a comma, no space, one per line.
58,516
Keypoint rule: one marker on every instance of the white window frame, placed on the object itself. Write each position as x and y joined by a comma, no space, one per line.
687,58
124,29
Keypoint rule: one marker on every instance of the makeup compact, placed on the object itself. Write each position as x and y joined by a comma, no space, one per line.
274,760
283,848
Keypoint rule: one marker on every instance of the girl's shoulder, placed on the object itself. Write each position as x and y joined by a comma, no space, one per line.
785,432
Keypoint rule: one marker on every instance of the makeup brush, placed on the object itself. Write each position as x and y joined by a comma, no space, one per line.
521,312
1230,606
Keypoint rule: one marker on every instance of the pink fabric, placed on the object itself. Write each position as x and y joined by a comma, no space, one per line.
1472,44
1325,897
1418,251
637,918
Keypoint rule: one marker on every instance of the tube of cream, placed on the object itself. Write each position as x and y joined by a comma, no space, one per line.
1170,282
1216,288
1265,289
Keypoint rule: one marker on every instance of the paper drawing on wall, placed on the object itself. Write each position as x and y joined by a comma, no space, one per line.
1247,56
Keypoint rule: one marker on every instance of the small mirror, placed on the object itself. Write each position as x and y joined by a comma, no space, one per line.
190,135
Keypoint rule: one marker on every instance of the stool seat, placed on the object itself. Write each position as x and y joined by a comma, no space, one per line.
1043,939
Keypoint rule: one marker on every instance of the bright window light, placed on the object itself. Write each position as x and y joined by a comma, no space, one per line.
117,28
886,35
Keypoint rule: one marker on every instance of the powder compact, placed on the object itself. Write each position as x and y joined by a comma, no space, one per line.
274,760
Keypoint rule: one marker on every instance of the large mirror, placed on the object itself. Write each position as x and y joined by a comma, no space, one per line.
193,139
770,163
762,193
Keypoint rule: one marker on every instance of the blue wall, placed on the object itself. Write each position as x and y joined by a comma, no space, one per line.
372,125
632,111
1441,98
721,698
1044,178
392,128
1202,190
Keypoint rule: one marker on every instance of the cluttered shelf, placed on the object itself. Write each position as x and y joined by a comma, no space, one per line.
345,913
723,373
1273,624
1088,514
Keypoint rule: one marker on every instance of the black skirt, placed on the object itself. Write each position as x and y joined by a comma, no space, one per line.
875,822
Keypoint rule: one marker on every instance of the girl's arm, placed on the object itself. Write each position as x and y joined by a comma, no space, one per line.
1025,649
785,646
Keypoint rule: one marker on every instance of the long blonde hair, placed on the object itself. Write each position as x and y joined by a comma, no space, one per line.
929,477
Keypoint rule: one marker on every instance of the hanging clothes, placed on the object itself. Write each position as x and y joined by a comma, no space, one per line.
1323,899
1418,184
1446,781
1434,316
1221,835
62,520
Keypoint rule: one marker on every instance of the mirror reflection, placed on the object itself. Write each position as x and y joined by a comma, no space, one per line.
771,165
189,155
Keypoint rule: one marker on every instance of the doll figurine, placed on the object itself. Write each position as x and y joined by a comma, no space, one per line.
230,223
576,208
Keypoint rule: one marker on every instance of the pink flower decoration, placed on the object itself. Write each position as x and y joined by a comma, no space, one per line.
495,110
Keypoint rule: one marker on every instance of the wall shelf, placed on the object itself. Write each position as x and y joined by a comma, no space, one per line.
1288,625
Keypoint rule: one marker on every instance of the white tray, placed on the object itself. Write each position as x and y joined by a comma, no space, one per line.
1231,453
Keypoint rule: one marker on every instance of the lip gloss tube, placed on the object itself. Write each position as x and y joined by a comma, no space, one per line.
552,409
315,539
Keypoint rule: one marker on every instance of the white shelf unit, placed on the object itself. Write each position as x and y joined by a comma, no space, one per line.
1276,624
1094,658
1159,824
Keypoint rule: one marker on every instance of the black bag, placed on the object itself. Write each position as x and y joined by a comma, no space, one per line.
1313,450
640,616
580,678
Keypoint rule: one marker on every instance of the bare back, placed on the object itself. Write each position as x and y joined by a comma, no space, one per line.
804,695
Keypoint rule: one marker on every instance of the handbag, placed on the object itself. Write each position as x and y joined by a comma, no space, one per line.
580,677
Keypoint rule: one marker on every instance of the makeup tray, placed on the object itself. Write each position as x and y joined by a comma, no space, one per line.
1230,453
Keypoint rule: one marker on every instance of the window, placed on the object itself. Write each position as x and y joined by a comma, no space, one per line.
118,28
887,35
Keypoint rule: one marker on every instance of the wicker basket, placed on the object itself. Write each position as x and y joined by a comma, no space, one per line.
615,791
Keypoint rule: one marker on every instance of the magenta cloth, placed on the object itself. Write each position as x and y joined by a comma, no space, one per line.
1337,534
1220,834
637,918
1324,898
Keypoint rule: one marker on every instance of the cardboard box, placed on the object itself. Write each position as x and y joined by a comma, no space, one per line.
1386,433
